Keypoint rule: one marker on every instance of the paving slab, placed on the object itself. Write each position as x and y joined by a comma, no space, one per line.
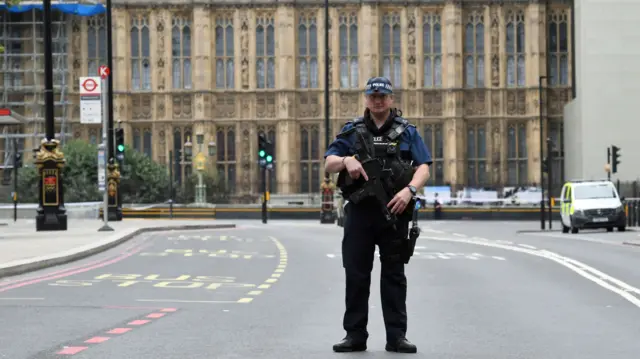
23,249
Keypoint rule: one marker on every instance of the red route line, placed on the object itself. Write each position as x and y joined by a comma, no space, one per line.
132,248
72,271
112,333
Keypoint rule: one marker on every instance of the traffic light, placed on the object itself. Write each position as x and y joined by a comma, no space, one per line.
18,159
119,144
265,151
615,158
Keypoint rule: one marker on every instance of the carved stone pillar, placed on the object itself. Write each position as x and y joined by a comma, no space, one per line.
409,24
369,22
202,76
454,128
497,165
535,25
244,156
287,167
244,22
77,67
122,68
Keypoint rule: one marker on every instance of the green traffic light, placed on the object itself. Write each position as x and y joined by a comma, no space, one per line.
261,153
269,158
121,148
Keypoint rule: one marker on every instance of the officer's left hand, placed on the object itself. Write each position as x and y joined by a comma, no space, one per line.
400,201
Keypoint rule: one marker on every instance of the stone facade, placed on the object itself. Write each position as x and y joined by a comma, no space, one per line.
466,73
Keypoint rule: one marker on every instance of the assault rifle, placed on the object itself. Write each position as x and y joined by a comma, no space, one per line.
374,186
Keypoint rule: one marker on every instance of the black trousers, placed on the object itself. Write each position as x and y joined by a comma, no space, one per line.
362,232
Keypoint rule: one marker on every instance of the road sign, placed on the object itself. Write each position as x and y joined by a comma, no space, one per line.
104,71
90,100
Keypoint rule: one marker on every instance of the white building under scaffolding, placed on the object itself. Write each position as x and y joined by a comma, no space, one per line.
22,81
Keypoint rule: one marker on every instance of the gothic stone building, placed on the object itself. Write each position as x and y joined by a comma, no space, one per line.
466,73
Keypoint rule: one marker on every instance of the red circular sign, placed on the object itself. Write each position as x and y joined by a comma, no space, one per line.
89,85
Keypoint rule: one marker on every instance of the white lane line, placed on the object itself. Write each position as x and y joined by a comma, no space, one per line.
575,237
504,242
431,230
527,246
499,258
580,268
459,235
189,301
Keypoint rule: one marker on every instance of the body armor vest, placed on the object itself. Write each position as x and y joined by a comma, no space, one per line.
386,149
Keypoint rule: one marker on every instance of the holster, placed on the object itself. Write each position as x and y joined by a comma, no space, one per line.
410,243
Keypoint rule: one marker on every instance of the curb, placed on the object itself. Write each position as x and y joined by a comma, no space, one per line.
637,244
66,257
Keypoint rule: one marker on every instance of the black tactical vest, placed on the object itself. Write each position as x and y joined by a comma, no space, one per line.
384,147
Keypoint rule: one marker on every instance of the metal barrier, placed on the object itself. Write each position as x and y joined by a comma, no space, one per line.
632,209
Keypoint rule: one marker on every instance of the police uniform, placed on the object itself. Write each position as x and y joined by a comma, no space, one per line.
362,229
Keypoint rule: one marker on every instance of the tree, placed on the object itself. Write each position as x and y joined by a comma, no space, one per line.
215,189
81,172
142,180
80,175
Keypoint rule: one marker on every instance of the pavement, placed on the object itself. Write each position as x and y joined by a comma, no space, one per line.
276,290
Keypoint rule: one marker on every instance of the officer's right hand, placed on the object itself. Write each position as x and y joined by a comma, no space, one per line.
354,167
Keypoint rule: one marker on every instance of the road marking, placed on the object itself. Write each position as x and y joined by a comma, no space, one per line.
479,238
74,270
21,298
187,301
576,237
527,246
157,281
118,330
441,255
459,235
580,268
96,340
431,230
277,273
499,241
72,350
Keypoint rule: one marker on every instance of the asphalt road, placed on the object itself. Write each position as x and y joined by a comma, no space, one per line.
476,290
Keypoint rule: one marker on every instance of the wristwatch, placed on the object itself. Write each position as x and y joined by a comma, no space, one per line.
412,189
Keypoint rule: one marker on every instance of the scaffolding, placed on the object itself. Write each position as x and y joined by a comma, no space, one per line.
22,78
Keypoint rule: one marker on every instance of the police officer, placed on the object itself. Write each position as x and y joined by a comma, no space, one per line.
362,229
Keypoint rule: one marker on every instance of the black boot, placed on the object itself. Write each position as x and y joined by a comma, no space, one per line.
349,344
402,345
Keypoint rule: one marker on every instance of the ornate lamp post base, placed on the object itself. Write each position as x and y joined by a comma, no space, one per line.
51,214
113,190
327,212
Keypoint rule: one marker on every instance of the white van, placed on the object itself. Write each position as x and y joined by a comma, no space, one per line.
590,205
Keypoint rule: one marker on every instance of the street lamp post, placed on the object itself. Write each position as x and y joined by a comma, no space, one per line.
327,188
542,198
199,193
212,155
